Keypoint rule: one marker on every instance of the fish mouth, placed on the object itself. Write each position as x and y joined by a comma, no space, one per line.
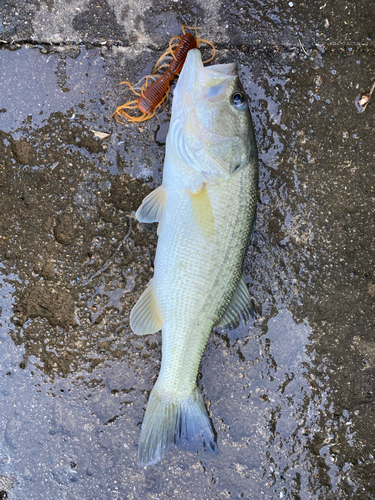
198,83
228,69
215,80
193,71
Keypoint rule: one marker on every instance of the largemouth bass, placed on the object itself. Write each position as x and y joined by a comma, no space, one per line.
206,209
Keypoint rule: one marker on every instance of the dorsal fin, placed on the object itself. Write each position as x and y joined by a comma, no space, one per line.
145,316
239,306
202,211
153,206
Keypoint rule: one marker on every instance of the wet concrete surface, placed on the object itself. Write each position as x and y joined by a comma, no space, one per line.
290,394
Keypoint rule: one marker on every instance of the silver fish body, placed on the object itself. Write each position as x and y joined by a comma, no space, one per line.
206,210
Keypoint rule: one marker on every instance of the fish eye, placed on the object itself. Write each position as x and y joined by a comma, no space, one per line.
238,98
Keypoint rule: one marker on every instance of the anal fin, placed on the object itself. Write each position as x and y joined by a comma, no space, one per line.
153,206
145,316
239,306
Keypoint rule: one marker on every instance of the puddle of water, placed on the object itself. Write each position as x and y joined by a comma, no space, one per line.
78,85
267,406
261,396
37,84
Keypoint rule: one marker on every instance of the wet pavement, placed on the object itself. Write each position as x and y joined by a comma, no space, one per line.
291,394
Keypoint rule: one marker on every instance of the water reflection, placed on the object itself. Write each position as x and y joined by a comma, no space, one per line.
273,414
276,424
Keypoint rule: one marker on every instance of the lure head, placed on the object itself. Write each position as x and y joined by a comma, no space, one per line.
211,127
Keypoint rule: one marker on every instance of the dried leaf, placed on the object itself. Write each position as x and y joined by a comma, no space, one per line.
100,135
364,99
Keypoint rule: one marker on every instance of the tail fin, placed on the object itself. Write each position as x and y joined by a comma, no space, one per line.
168,421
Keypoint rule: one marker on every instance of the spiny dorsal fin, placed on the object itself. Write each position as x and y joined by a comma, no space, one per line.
153,206
145,316
240,305
202,211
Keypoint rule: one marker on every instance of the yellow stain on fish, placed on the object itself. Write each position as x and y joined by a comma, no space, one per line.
206,210
202,211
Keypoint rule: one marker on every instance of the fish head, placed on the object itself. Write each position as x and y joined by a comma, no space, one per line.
211,128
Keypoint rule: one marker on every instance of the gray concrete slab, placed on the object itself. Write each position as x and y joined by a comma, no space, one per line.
291,394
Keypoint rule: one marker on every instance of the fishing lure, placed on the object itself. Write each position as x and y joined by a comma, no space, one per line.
153,95
149,100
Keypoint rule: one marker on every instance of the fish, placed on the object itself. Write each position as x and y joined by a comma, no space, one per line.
206,211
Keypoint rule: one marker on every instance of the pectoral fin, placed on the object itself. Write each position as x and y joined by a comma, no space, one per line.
202,211
153,206
240,305
145,316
